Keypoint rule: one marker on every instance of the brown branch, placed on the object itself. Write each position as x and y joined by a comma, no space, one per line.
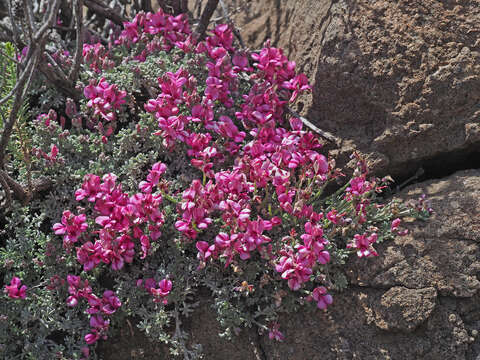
232,25
61,83
52,16
15,33
6,188
77,60
105,11
205,19
24,80
18,192
39,185
30,17
322,133
184,6
146,5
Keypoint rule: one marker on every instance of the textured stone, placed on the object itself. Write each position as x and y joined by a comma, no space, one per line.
443,252
404,309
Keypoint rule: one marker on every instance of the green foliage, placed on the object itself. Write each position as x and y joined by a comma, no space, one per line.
8,78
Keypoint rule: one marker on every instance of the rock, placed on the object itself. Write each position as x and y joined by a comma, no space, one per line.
443,252
400,80
404,309
418,299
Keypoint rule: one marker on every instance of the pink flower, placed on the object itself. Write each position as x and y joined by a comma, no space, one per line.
160,294
72,226
323,299
334,216
274,333
205,250
13,289
72,301
104,98
357,187
110,302
395,225
90,188
363,244
92,338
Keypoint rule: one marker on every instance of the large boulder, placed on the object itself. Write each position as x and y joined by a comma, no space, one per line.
419,299
399,80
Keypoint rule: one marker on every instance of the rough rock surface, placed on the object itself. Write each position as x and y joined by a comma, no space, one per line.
399,80
419,299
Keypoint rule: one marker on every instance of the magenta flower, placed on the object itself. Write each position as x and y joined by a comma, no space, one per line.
71,227
90,188
274,333
357,187
323,299
205,250
395,225
104,98
16,290
364,245
160,294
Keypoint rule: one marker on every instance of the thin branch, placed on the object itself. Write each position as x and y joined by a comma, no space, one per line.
184,6
146,5
105,11
198,7
10,185
9,58
15,32
30,17
52,16
232,25
56,67
322,133
23,85
62,84
30,77
6,188
77,60
18,192
205,19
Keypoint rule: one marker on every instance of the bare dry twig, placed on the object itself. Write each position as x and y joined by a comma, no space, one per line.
105,11
205,19
77,60
32,59
232,24
322,133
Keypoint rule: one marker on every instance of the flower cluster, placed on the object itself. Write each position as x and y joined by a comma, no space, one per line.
104,98
97,57
159,294
123,219
16,290
319,294
98,307
158,31
364,244
296,264
71,227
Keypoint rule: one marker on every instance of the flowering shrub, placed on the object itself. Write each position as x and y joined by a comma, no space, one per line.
181,170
